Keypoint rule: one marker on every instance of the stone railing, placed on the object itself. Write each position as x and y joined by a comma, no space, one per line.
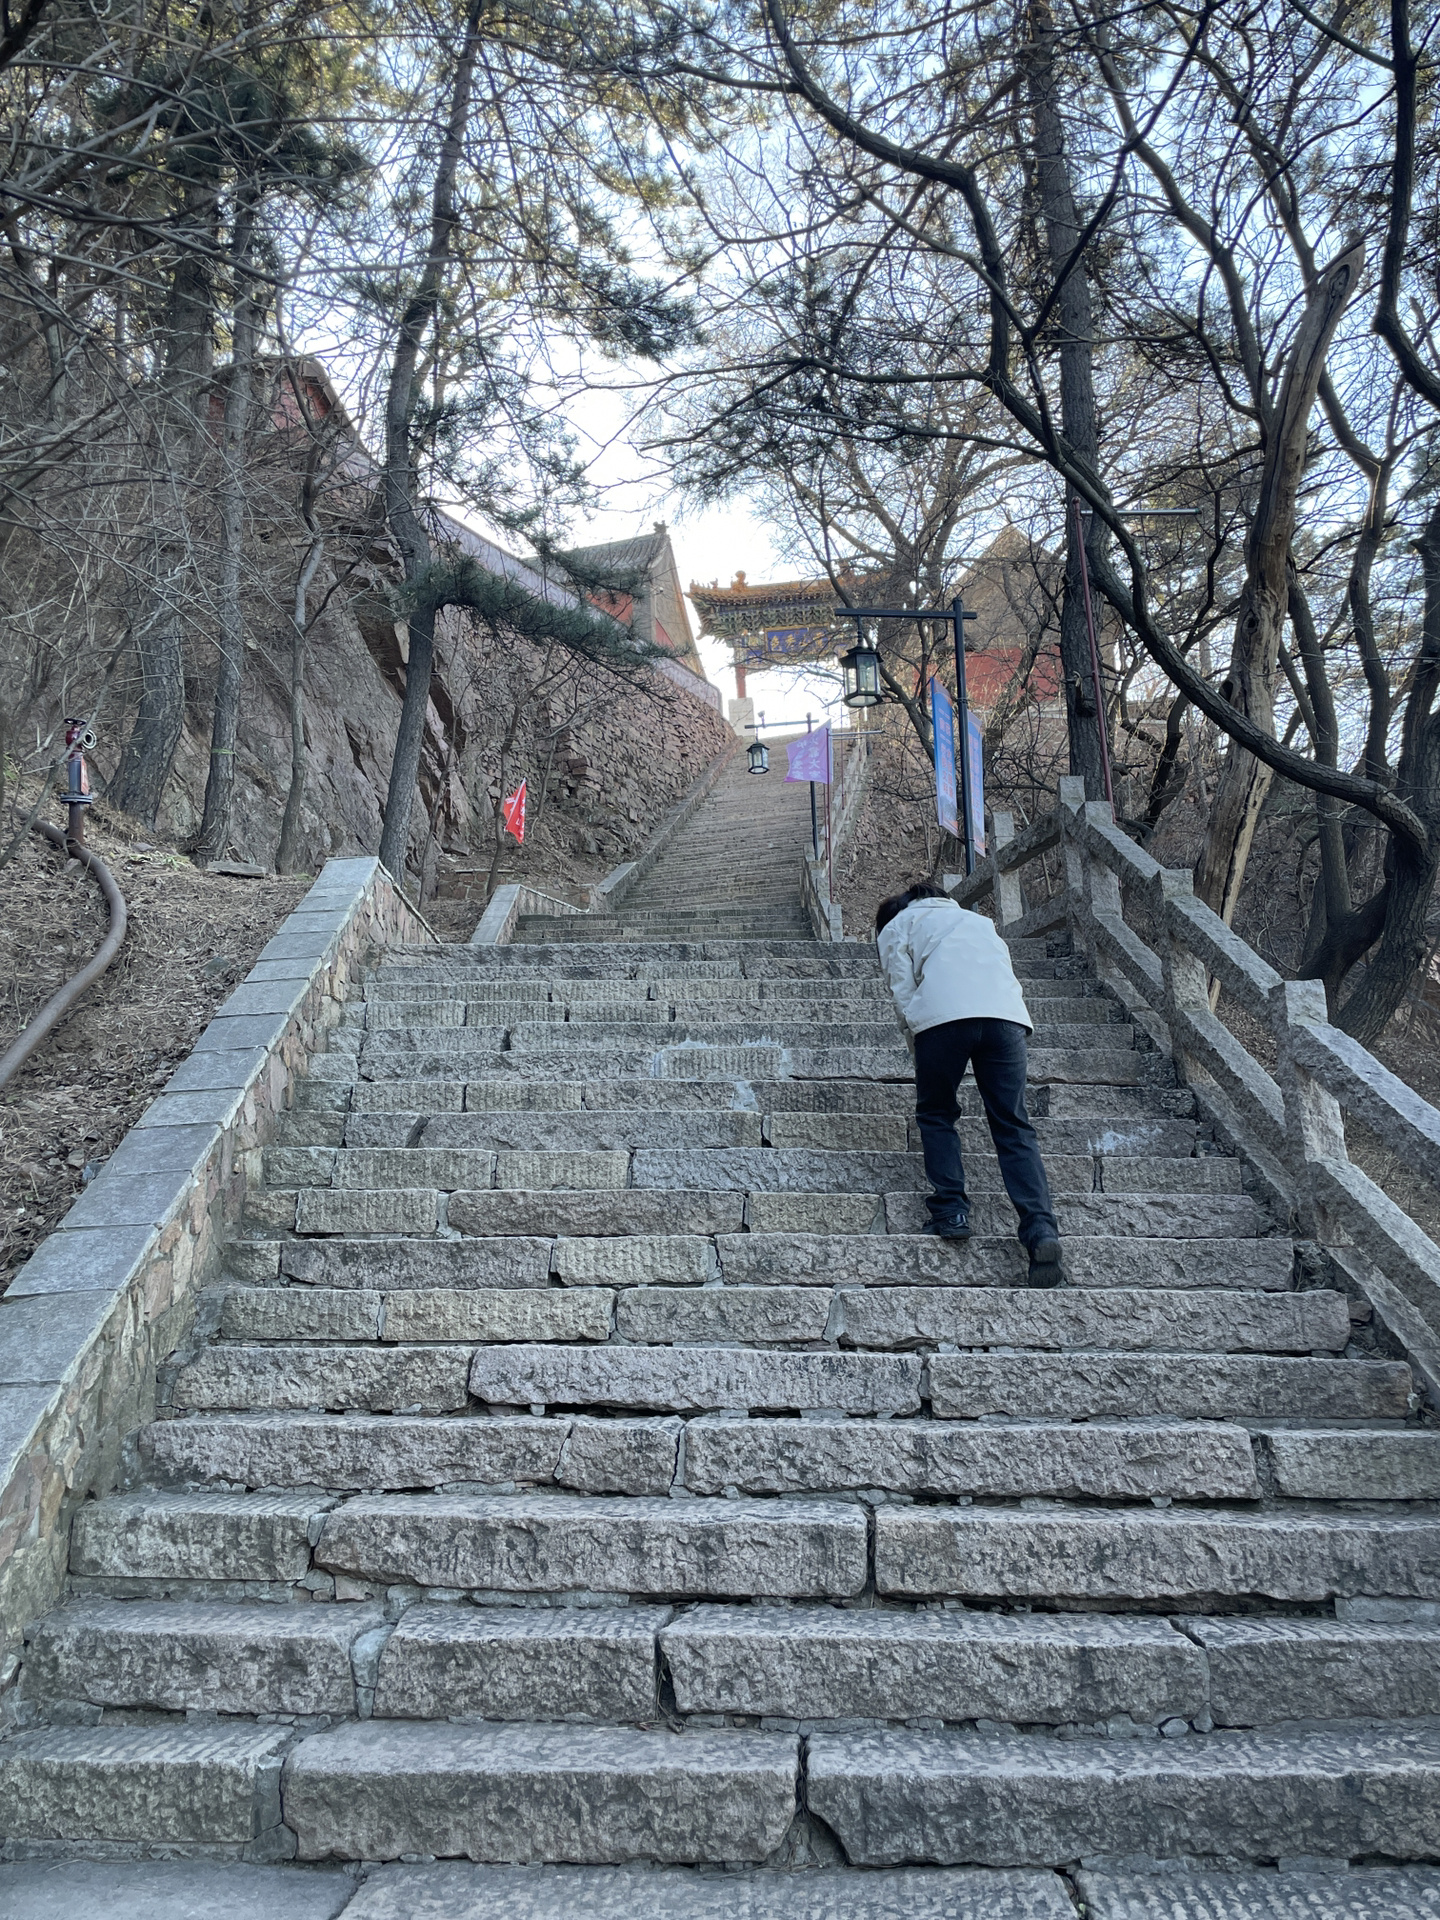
1160,949
851,777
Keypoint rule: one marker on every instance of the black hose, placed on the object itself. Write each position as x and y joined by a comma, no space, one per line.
56,1008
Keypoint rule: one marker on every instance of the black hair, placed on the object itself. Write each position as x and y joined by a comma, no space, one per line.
897,902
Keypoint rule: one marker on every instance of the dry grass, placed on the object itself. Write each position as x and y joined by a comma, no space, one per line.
192,937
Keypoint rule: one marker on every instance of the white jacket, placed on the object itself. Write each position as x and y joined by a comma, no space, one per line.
945,963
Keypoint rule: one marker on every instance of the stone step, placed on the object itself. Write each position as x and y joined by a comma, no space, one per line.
818,1253
574,1035
1355,1466
522,1663
262,1538
1195,1557
1096,1068
1067,1320
855,1116
452,1161
812,1664
931,1460
686,1311
894,1797
397,1452
400,1379
1367,1893
695,1379
173,1785
617,1212
1265,1671
565,1544
192,1542
452,1892
1195,1386
1176,1216
194,1657
698,928
377,1789
672,959
417,1314
517,1260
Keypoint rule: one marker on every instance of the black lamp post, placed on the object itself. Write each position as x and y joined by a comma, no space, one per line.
861,667
757,756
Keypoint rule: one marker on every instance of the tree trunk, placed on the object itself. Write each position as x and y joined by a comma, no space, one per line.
1260,624
149,753
1085,709
214,836
401,485
1409,876
287,857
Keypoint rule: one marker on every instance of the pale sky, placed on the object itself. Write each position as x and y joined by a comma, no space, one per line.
710,543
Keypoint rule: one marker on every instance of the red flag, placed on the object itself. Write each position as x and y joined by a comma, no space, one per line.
512,809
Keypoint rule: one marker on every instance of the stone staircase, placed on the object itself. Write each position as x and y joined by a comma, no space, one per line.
586,1461
728,873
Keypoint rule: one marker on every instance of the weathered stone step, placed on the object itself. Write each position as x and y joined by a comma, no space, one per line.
1150,1215
1367,1893
417,1314
1191,1556
517,1260
1356,1466
185,1657
893,1797
1196,1386
451,1161
549,1543
1067,1320
932,1460
811,1249
400,1379
575,1034
562,1543
828,1663
174,1785
377,1789
1102,1068
259,1537
452,1892
709,929
396,1452
1264,1671
695,1379
522,1663
686,1061
670,959
896,1318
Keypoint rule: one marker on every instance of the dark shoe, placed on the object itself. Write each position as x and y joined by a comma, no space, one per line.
956,1229
1047,1265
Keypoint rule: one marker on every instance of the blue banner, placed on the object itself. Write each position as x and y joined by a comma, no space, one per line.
976,745
942,724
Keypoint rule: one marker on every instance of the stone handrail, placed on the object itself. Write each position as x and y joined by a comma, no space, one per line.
1287,1118
851,777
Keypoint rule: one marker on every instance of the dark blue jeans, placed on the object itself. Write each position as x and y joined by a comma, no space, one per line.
996,1050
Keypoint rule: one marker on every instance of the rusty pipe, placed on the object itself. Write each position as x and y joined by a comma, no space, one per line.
56,1008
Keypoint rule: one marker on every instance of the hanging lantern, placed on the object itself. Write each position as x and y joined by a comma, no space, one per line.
861,667
757,756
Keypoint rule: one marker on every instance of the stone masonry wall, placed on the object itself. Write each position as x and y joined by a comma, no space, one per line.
108,1295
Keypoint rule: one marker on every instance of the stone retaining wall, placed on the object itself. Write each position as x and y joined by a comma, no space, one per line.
112,1291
